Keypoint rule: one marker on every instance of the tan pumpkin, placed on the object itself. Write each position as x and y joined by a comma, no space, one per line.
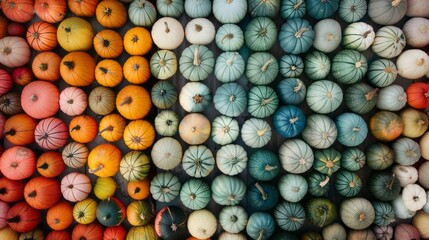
77,69
139,135
112,127
101,100
194,129
136,70
133,102
108,73
75,155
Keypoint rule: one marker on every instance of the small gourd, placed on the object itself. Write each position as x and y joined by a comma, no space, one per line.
227,190
357,213
230,99
358,36
291,91
256,133
292,187
296,36
263,165
229,37
414,197
384,213
291,66
352,10
416,31
349,66
415,122
229,67
296,156
198,161
320,131
195,97
166,153
168,33
225,130
196,62
260,34
233,219
317,65
262,68
413,64
353,159
324,96
200,31
406,174
389,41
327,161
348,184
231,159
360,98
352,129
327,35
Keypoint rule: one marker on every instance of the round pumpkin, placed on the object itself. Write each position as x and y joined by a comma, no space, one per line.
83,8
10,103
108,73
75,155
386,126
134,166
111,127
104,187
133,102
139,190
140,213
110,212
42,193
101,100
111,14
21,217
75,186
41,36
84,211
19,129
77,69
11,190
73,101
103,160
51,133
137,41
92,231
50,164
18,11
194,128
136,70
40,99
75,34
170,223
60,216
51,12
18,162
139,135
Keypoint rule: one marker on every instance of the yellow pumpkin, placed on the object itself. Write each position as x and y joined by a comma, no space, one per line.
104,187
139,135
133,102
137,41
136,70
84,212
75,34
108,73
194,129
112,127
103,160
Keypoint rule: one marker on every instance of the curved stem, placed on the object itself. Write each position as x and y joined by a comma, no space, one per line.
227,36
326,181
369,96
167,29
266,64
293,120
127,100
98,168
298,87
109,128
269,168
261,190
300,32
231,59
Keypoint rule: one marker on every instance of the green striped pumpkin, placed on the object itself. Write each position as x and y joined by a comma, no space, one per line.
166,123
134,166
358,36
384,213
196,62
266,8
165,187
225,130
379,156
163,64
296,156
262,101
256,132
198,161
291,65
317,65
229,37
231,159
360,98
263,165
389,42
327,161
163,94
195,194
262,68
318,184
382,72
229,67
293,9
289,216
260,34
348,184
352,10
349,66
324,96
353,159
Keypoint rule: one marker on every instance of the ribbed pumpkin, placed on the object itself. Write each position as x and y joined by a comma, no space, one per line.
17,163
327,161
19,129
139,135
198,161
6,81
165,187
262,68
225,130
50,11
170,9
170,223
349,66
260,34
296,36
233,218
134,166
324,96
379,156
352,129
73,101
18,11
418,95
42,193
108,73
143,12
415,122
382,72
41,36
360,98
163,94
140,213
357,213
111,14
136,70
166,123
103,160
10,103
75,155
15,52
51,133
195,194
256,132
82,8
163,64
77,69
40,99
114,233
83,128
166,153
133,102
352,10
407,151
147,231
262,101
11,190
60,216
110,212
229,66
389,41
58,235
386,126
75,186
139,190
263,165
194,128
75,34
111,127
50,164
230,99
320,131
108,44
84,211
195,97
229,37
46,66
21,217
196,62
137,41
93,231
101,100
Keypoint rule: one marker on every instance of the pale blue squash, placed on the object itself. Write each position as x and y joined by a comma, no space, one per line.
407,151
256,133
360,98
317,65
327,35
293,9
320,9
291,91
382,72
229,37
260,34
349,66
386,12
291,66
263,196
195,97
163,94
233,219
230,99
289,216
352,10
296,156
196,63
198,161
260,226
264,8
296,36
324,96
320,131
292,187
198,8
142,13
195,194
225,130
229,11
229,67
165,187
263,165
262,101
166,123
227,190
353,159
170,8
163,64
391,98
262,68
352,129
231,159
289,121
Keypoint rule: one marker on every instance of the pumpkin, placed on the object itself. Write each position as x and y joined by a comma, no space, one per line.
75,34
104,159
35,101
327,161
198,161
17,163
42,193
349,66
406,174
163,64
362,234
320,211
108,44
296,35
6,81
75,155
230,99
320,131
352,129
73,101
82,8
321,9
194,128
256,132
416,31
166,123
110,212
231,159
10,103
233,219
384,213
415,122
21,217
405,230
111,14
296,156
88,231
111,127
168,33
36,234
51,133
46,66
417,95
196,62
327,35
291,91
8,233
229,67
11,190
407,151
136,70
165,187
202,224
293,9
41,36
260,225
386,125
84,211
137,41
58,235
317,65
389,41
195,194
134,166
262,101
83,128
348,184
324,96
104,187
292,187
60,216
19,129
147,231
229,11
139,190
289,121
166,153
140,213
423,180
14,51
139,135
414,197
75,186
113,233
260,34
289,216
383,186
401,211
379,156
382,72
101,100
229,37
225,130
291,66
200,31
263,165
386,12
77,69
360,98
357,213
261,68
413,63
133,102
199,8
142,13
420,221
264,9
170,223
353,159
334,230
194,97
263,196
358,36
18,10
227,190
172,8
352,10
50,164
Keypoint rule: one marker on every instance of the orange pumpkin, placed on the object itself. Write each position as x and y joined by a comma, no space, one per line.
19,129
60,216
112,127
42,193
22,76
92,231
139,135
18,163
40,99
139,190
115,233
3,26
50,11
136,70
108,44
83,128
77,69
58,235
21,217
133,102
103,160
108,73
51,133
73,101
111,14
10,103
137,41
46,66
50,164
75,155
386,126
18,10
101,100
11,190
42,36
82,8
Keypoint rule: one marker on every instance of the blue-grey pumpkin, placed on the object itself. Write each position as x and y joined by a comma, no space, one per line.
230,99
296,36
352,129
291,66
319,9
289,121
262,101
352,10
293,9
291,91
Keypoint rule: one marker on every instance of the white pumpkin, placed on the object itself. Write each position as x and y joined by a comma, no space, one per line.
416,31
200,31
167,33
386,12
418,8
327,35
414,197
401,211
413,63
231,236
166,153
424,143
202,224
334,231
406,174
358,36
391,98
424,175
389,42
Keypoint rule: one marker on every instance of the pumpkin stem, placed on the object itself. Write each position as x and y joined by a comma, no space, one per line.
229,1
267,101
137,190
32,194
365,34
269,168
168,2
324,216
390,70
232,98
77,128
198,27
231,197
44,5
198,98
11,132
3,191
67,29
167,29
109,128
44,136
352,184
390,184
69,64
14,165
226,129
233,218
230,60
266,64
127,100
420,62
165,190
295,189
264,195
362,217
358,64
355,129
421,122
263,32
227,36
395,3
261,132
369,96
192,196
44,166
297,5
298,86
261,234
427,94
15,219
293,120
98,168
326,181
299,33
197,60
33,98
108,11
411,153
103,69
6,50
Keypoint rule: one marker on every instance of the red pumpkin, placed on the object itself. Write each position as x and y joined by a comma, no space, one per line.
4,208
6,82
115,233
58,235
42,36
83,8
51,133
406,231
4,23
18,10
21,217
92,231
75,186
2,122
16,29
83,128
42,193
418,95
60,216
18,163
40,99
19,129
50,11
22,76
50,164
73,101
11,190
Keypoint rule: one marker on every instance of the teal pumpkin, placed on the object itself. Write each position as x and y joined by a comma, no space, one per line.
163,64
289,121
260,226
195,97
360,98
318,9
353,159
110,212
225,130
233,219
320,131
266,8
260,34
196,62
142,13
382,72
229,67
195,194
170,8
352,10
166,123
317,65
262,68
163,94
320,211
263,196
170,223
229,37
262,101
327,161
291,91
349,66
198,8
348,184
256,133
379,156
352,129
318,184
165,187
292,187
231,159
383,185
384,213
293,9
291,66
263,165
296,36
230,99
227,190
407,151
198,161
229,11
324,96
296,156
289,216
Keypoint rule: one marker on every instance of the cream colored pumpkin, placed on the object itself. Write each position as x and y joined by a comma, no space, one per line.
167,153
414,197
231,236
200,31
424,143
416,31
194,129
413,63
202,224
406,174
400,209
167,33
